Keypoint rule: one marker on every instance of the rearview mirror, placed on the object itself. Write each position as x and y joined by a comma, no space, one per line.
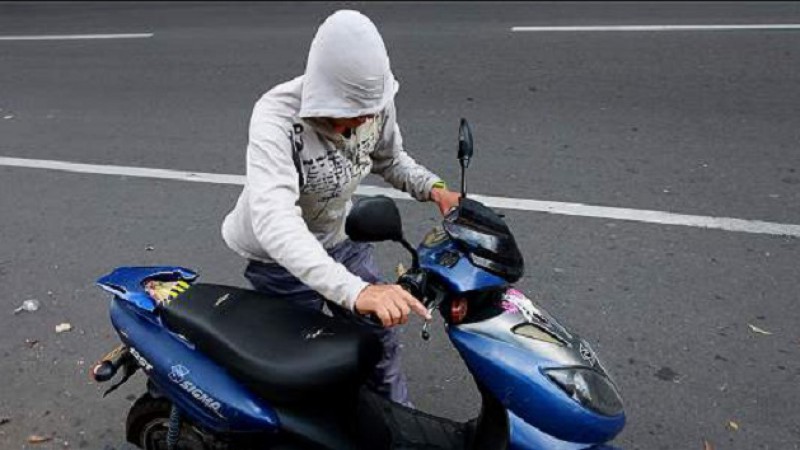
464,152
374,219
464,143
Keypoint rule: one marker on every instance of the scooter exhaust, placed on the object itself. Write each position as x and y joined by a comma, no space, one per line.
108,366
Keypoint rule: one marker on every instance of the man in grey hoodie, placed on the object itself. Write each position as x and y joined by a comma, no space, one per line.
311,142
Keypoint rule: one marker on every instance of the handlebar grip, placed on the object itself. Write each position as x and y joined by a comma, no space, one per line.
414,282
406,286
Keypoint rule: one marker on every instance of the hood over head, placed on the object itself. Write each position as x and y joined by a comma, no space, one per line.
348,72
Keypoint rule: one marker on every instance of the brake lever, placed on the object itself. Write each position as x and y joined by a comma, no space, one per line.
426,335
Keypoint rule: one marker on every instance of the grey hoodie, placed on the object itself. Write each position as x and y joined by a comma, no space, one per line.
301,176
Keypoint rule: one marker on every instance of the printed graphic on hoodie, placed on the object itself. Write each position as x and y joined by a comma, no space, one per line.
344,161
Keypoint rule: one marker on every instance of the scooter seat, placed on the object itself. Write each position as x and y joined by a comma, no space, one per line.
284,353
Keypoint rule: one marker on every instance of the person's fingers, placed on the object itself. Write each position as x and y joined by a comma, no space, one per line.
446,205
402,309
415,305
394,312
384,316
405,309
442,204
420,309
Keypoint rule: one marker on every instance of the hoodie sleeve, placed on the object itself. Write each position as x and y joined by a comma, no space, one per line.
277,221
395,165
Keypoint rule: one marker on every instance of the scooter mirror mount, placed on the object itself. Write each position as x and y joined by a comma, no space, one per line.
376,219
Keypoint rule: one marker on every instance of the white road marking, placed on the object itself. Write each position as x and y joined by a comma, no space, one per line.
69,37
521,204
769,26
142,172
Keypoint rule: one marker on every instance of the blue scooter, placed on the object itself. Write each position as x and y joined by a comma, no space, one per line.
229,369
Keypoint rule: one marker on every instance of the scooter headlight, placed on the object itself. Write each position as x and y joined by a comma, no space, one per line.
590,388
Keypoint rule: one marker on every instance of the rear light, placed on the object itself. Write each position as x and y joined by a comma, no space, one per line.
458,310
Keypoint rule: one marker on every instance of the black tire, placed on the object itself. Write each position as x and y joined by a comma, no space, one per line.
147,424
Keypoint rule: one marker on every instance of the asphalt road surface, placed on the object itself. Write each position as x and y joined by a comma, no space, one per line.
696,122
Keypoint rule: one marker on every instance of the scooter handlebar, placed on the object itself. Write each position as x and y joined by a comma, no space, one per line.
414,282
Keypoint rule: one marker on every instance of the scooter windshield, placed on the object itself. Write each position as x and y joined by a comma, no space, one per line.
486,239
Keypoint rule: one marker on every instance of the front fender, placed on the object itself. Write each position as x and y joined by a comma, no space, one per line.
514,376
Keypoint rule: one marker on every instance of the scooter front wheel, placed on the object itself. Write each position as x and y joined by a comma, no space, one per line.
148,423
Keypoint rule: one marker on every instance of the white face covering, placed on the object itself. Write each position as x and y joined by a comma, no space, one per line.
361,141
362,138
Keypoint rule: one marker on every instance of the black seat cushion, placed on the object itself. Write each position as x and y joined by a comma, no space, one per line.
284,353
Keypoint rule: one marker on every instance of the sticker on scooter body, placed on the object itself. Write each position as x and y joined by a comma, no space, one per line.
141,360
178,375
515,301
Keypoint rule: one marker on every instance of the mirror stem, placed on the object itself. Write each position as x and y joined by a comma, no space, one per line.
413,251
464,164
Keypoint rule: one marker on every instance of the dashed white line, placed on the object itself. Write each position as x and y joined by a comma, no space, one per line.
70,37
521,204
731,27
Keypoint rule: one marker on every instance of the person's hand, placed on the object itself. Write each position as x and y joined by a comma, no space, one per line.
390,303
444,199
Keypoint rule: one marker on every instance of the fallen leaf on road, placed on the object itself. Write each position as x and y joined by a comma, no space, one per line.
707,445
758,330
733,425
36,439
149,248
62,327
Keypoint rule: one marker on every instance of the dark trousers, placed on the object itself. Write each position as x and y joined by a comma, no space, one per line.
272,279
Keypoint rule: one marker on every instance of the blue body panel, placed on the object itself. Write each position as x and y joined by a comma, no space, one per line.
515,377
198,386
126,282
524,436
463,276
